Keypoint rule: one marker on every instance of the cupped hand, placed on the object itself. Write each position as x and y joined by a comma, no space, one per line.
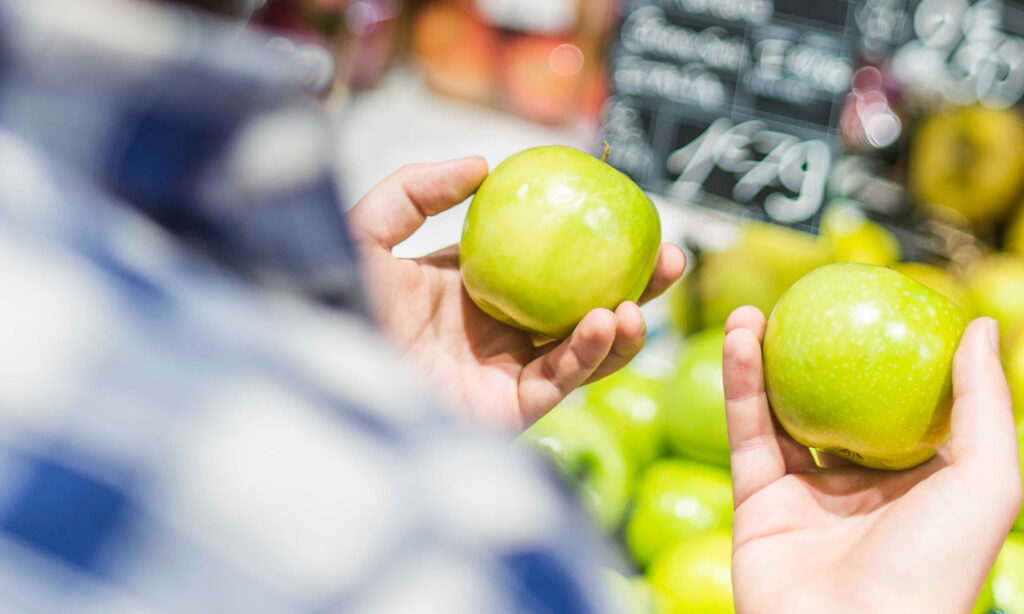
498,374
846,539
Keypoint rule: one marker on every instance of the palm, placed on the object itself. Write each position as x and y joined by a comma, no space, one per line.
838,529
849,539
454,341
496,373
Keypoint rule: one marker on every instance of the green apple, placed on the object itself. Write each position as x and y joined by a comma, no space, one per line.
940,280
789,253
764,261
858,362
855,238
695,401
731,278
677,499
684,308
1008,576
631,401
590,454
695,575
553,233
995,288
969,160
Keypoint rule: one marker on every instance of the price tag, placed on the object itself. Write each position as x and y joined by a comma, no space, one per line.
733,104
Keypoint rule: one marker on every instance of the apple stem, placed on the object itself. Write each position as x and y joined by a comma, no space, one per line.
607,150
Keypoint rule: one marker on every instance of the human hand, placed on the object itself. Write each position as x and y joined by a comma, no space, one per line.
493,371
846,539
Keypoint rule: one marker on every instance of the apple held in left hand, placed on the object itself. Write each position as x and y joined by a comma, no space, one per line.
493,372
858,363
553,233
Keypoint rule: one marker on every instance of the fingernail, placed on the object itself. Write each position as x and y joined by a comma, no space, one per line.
993,334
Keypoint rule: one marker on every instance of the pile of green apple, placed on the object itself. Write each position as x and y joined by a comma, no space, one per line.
656,480
649,454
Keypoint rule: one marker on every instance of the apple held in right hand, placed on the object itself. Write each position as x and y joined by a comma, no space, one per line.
858,363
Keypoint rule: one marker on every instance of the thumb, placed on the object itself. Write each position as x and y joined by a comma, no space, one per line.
984,438
397,206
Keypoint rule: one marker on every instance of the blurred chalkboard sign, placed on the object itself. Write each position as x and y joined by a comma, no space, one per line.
964,51
733,104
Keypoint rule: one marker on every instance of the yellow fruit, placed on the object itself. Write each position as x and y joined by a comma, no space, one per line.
940,280
995,288
855,238
694,576
969,160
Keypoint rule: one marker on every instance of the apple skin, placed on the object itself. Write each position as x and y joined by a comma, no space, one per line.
695,575
553,233
858,362
995,288
631,401
789,253
675,500
969,160
1008,576
695,400
940,280
590,454
855,238
765,260
731,278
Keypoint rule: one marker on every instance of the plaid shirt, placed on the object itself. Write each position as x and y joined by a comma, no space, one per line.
175,437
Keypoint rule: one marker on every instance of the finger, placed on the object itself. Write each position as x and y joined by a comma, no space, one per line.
798,458
630,335
546,380
397,206
668,268
756,453
984,437
749,318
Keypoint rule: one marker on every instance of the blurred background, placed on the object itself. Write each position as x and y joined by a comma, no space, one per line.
773,136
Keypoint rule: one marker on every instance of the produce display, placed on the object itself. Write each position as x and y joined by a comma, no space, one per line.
877,340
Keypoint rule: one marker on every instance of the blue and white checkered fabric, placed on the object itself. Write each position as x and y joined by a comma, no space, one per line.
172,438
